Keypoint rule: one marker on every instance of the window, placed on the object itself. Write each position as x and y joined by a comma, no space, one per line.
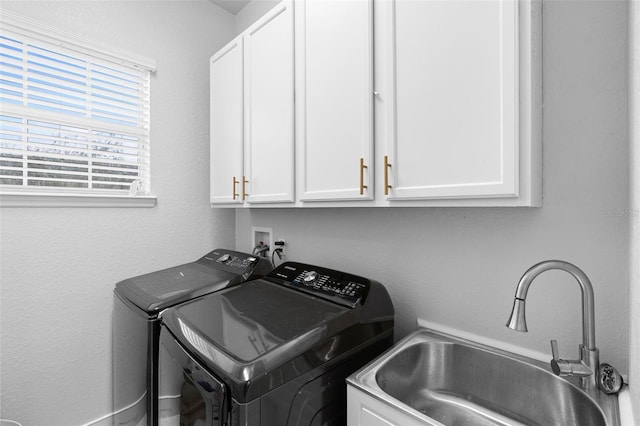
74,116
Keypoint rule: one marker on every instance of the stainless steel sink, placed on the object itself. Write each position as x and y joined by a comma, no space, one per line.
434,376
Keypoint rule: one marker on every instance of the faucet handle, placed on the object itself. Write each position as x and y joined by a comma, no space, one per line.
554,350
563,367
559,366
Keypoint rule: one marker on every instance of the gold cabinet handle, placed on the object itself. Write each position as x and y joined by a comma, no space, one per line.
235,182
387,166
362,185
244,188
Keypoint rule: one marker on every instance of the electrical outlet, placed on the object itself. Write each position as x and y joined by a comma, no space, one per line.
262,237
281,244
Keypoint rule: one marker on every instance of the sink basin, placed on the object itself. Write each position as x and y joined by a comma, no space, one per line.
437,377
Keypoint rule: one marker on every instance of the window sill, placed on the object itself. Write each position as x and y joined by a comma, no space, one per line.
23,199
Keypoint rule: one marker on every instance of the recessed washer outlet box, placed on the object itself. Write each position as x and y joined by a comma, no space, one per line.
260,237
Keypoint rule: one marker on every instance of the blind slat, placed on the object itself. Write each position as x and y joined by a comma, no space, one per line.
76,137
57,159
76,99
135,147
20,112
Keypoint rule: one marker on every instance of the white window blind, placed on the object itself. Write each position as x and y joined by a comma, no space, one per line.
74,117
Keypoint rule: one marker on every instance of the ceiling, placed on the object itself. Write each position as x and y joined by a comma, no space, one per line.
233,6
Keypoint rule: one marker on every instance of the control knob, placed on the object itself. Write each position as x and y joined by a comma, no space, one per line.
310,277
224,258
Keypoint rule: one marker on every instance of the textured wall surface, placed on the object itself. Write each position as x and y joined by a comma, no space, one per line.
459,266
252,12
59,266
634,204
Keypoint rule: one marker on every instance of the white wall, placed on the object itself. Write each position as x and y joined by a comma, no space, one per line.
252,12
459,266
59,266
634,204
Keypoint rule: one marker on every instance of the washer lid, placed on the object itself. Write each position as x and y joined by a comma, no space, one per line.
248,330
161,289
214,271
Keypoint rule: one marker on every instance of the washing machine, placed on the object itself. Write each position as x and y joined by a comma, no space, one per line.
138,305
275,351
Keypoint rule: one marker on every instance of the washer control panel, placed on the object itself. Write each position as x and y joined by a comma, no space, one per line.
339,287
236,261
229,260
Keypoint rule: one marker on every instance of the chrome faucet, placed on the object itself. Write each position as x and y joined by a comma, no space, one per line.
587,366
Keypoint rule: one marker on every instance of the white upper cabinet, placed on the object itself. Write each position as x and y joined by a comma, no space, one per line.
334,111
252,129
446,93
269,115
226,118
456,100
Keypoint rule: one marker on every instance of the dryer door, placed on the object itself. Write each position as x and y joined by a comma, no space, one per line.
202,399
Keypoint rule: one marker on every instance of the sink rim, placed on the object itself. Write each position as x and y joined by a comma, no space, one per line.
365,379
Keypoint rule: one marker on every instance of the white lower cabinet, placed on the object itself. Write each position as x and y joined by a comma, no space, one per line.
364,410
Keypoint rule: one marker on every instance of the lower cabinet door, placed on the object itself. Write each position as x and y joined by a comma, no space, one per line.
364,410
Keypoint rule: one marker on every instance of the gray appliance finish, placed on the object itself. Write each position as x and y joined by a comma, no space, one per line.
275,351
138,305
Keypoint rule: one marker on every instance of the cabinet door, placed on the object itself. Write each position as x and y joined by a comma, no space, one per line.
363,410
452,113
269,128
334,71
226,118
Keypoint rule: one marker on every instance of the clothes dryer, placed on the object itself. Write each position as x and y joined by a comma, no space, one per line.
275,351
138,306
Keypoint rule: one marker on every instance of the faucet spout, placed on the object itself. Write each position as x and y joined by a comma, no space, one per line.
588,350
588,310
517,319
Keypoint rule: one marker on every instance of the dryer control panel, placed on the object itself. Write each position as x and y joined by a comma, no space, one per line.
338,287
